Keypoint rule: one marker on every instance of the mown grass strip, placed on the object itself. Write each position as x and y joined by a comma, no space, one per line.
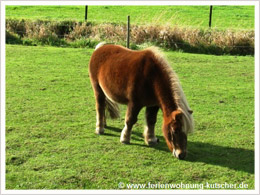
224,17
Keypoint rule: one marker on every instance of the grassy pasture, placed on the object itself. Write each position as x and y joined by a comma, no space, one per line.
50,122
224,17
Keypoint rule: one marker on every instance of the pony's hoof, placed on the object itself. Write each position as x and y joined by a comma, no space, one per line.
99,131
152,142
125,138
125,142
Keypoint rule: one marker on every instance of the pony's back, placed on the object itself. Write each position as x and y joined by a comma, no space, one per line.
124,74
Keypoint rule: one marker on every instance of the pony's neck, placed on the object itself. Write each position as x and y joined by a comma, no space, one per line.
166,99
166,86
168,106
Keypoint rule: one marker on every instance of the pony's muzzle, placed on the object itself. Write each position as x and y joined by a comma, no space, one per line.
179,154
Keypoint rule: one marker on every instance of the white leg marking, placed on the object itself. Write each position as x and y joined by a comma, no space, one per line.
99,125
125,135
149,136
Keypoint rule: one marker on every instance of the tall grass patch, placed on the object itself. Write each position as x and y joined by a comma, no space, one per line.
66,33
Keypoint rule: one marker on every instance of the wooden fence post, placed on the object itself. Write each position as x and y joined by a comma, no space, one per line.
210,15
86,12
128,32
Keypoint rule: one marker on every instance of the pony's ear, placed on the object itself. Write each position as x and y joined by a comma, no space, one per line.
190,111
176,115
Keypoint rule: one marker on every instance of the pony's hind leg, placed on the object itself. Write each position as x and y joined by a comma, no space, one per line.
150,116
100,109
105,121
130,119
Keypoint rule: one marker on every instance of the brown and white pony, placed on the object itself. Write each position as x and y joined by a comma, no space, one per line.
140,79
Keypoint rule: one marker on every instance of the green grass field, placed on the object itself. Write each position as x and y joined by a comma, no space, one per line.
224,17
50,123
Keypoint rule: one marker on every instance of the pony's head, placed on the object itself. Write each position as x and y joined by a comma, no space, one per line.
174,133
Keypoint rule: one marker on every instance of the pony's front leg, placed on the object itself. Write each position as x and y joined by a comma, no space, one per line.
130,119
150,116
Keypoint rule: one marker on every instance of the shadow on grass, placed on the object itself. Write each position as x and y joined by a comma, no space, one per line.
233,158
115,129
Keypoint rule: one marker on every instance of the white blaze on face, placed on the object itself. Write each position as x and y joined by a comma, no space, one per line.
176,153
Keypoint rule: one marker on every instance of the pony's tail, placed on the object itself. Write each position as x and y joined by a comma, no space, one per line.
112,108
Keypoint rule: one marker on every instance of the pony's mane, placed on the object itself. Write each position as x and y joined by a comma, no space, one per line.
180,98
